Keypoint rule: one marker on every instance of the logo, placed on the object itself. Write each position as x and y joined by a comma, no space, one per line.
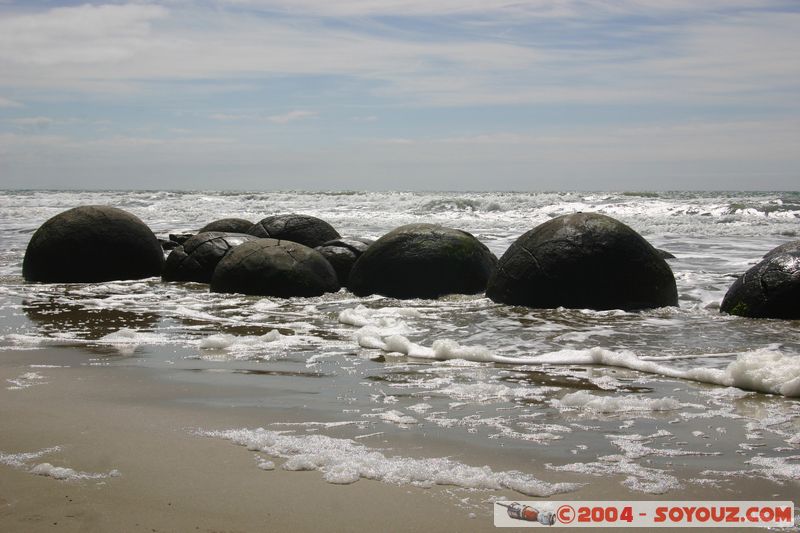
527,513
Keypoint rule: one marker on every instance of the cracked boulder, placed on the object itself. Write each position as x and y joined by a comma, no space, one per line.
197,258
342,255
771,289
228,225
269,267
304,229
423,261
583,261
92,243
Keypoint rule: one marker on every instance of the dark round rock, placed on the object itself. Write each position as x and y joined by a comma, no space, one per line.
304,229
423,261
791,246
584,260
92,243
269,267
198,257
771,289
228,225
180,238
167,245
665,254
342,255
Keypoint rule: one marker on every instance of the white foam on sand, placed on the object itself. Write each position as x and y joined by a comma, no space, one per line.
23,461
125,340
394,417
20,460
585,401
26,380
380,322
68,474
765,370
224,345
637,477
18,341
487,392
778,468
127,336
344,461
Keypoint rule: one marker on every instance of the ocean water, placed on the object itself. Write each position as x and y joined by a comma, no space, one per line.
456,391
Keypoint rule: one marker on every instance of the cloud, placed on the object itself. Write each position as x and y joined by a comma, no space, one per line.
32,122
587,53
291,116
514,8
5,102
85,34
228,117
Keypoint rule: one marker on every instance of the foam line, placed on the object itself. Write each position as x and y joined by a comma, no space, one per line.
764,370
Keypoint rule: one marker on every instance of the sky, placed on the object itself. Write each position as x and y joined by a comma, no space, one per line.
400,94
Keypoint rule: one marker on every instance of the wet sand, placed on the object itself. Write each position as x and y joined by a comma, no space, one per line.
108,418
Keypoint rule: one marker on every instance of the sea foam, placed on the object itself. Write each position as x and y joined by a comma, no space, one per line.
346,461
766,370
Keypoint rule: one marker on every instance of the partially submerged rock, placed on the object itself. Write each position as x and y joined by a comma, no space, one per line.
180,238
90,244
770,289
197,258
228,225
584,260
269,267
304,229
342,255
787,247
423,261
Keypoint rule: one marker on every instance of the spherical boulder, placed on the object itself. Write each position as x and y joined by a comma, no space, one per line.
167,245
791,246
771,289
180,238
228,225
423,261
268,267
342,255
90,244
197,258
583,260
304,229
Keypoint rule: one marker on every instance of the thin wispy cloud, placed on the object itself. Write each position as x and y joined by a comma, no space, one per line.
6,102
291,116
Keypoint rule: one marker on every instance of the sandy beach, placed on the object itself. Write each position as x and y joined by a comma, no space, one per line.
132,436
170,479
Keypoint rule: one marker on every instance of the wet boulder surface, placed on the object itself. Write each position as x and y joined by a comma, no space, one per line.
342,255
269,267
423,261
304,229
197,258
228,225
787,247
91,244
583,260
180,238
770,289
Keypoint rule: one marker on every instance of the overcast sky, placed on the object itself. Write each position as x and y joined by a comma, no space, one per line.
400,94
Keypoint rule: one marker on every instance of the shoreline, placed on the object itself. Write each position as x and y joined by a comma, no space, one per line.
141,423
